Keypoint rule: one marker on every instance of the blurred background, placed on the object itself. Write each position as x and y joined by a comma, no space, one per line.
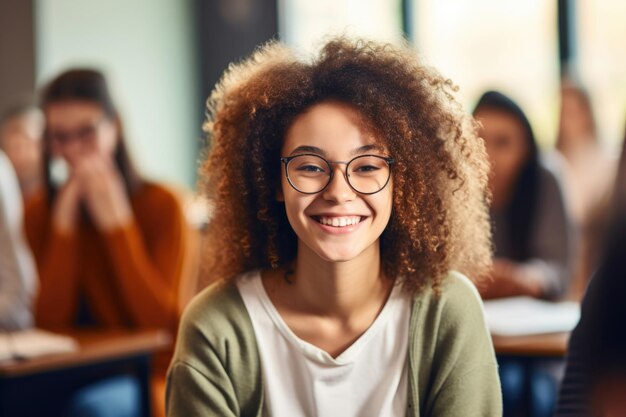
163,57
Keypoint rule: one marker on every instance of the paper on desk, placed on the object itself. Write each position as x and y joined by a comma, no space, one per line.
520,316
32,343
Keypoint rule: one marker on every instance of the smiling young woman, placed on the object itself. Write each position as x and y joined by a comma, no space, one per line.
350,196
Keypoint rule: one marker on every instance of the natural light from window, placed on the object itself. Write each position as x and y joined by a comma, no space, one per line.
305,24
508,45
602,63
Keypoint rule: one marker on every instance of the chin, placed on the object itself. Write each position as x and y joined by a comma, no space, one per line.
337,254
337,258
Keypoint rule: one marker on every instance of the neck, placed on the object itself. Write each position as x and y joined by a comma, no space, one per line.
339,289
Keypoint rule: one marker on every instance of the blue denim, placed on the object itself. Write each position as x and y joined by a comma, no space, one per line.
529,385
112,397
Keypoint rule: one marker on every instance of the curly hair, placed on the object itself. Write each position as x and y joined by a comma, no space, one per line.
439,218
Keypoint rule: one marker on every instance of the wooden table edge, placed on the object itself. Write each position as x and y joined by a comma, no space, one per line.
541,345
95,347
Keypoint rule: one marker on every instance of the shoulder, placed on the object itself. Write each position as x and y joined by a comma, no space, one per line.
550,178
462,303
37,200
36,206
458,295
451,351
154,193
551,200
216,320
158,206
457,310
457,285
218,302
216,357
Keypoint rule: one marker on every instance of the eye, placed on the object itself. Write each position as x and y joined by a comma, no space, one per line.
86,132
310,168
367,165
366,168
58,137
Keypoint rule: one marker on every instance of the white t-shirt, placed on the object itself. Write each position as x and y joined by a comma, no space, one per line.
18,274
367,379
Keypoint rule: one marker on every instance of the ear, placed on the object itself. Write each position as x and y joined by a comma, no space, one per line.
279,195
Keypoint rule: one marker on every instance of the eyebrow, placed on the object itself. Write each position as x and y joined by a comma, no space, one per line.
316,150
308,149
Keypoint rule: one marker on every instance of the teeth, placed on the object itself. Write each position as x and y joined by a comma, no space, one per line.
339,221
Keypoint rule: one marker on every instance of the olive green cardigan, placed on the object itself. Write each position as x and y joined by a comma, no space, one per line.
216,369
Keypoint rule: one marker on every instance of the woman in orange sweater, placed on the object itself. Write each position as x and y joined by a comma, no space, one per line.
109,246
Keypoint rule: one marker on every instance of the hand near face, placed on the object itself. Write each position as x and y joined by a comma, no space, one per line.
103,193
85,136
66,208
509,279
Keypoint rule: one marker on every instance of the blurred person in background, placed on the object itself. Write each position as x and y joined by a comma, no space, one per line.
532,236
18,275
109,245
595,376
21,128
532,231
588,176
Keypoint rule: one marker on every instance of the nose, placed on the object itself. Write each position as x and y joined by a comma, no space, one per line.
338,190
74,149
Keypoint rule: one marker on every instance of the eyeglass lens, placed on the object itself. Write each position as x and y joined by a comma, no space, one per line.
366,174
83,133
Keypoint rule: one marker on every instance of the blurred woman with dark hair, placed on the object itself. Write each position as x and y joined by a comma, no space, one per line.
532,234
109,245
532,237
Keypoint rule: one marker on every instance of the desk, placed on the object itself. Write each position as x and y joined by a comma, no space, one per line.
518,355
42,386
544,345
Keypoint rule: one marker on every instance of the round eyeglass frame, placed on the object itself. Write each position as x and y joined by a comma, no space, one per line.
85,133
287,159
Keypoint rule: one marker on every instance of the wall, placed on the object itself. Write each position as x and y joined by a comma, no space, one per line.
147,49
228,31
17,57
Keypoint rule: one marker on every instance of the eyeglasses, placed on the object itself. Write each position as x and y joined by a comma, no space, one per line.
311,174
86,132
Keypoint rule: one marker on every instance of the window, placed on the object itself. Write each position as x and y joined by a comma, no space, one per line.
508,45
306,23
602,64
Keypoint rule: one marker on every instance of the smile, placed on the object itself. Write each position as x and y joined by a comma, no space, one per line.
338,221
